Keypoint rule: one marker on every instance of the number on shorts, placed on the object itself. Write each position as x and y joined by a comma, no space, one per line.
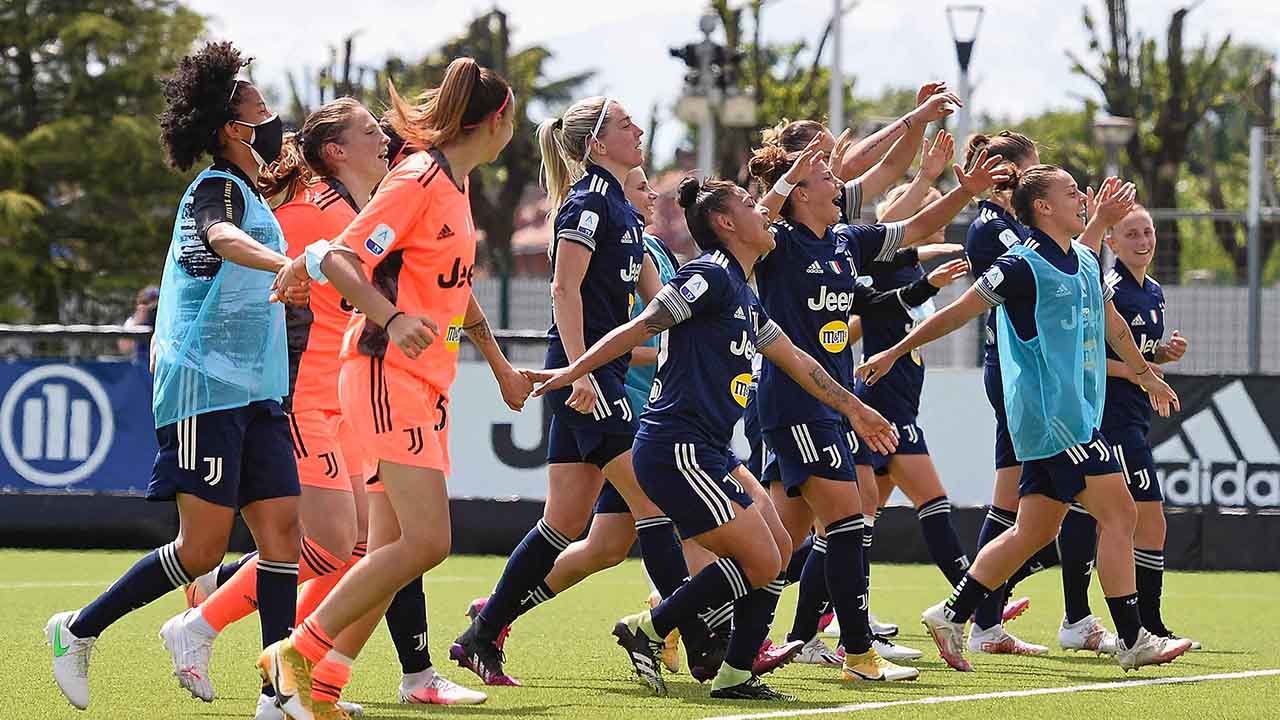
444,414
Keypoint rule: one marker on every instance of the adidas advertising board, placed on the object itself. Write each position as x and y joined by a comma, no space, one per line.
1221,450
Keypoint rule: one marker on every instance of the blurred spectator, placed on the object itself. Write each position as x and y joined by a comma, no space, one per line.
144,315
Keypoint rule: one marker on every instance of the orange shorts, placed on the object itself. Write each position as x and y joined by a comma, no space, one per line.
358,461
318,449
395,416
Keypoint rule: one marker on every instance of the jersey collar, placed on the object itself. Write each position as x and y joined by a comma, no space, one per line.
1047,246
224,165
988,205
1126,276
609,179
342,191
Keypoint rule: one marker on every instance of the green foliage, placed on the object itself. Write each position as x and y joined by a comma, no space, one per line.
86,201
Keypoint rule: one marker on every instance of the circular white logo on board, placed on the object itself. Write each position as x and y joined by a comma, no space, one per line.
56,425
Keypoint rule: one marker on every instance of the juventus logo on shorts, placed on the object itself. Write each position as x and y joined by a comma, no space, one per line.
1080,453
330,464
415,440
214,476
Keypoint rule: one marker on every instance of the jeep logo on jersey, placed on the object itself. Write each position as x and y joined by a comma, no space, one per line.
743,347
739,387
842,301
631,272
1224,454
453,334
56,425
460,275
381,239
834,336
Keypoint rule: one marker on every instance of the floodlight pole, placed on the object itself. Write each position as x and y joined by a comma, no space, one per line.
706,87
964,53
1254,226
835,94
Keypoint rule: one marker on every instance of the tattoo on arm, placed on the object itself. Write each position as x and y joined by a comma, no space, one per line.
479,332
657,318
832,393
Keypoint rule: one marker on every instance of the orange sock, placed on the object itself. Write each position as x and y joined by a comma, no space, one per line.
238,597
311,640
329,677
313,593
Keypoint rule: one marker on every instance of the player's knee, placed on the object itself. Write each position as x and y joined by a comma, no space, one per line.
1032,535
198,558
426,547
570,523
762,567
1120,517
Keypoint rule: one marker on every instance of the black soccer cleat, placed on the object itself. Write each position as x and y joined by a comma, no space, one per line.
480,657
705,658
642,651
753,689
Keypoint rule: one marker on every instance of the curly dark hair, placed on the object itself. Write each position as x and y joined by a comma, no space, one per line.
199,99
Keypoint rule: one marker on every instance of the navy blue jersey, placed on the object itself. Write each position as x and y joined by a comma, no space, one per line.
897,392
809,286
1010,282
991,233
597,216
704,361
850,201
1142,307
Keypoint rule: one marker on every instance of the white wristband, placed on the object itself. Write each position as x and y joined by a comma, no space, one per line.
782,187
315,253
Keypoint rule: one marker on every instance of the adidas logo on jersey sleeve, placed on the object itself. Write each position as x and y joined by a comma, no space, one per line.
1223,455
814,269
1138,321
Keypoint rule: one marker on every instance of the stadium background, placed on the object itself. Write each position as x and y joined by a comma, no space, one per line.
81,231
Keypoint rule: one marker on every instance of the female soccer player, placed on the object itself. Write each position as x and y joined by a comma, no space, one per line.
598,260
714,326
418,239
1126,419
221,369
1053,316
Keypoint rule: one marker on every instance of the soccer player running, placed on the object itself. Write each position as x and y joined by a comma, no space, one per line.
1126,419
714,325
598,260
1053,316
417,239
221,369
808,284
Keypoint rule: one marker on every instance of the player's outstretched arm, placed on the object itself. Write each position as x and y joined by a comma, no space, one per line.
654,319
947,320
514,386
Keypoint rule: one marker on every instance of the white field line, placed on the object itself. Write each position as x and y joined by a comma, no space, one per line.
997,695
37,585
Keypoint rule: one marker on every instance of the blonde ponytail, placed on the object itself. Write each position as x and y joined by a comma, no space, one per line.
563,142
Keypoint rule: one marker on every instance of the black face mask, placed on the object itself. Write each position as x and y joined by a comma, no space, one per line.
268,138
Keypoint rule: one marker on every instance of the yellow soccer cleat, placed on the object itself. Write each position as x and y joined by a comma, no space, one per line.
671,644
870,666
286,670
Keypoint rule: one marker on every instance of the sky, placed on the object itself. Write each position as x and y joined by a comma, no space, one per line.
1019,65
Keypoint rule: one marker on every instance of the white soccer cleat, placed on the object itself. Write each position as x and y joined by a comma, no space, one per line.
190,653
199,590
892,651
1150,650
947,635
882,629
269,709
816,652
70,659
439,690
995,640
1087,634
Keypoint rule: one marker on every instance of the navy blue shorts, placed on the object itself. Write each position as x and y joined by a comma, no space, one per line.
1062,476
1133,452
826,449
690,482
568,444
228,457
910,442
610,501
1005,456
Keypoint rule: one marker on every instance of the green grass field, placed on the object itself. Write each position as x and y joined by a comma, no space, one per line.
571,669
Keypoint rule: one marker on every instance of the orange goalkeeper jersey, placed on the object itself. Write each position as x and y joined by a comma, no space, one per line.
322,211
417,240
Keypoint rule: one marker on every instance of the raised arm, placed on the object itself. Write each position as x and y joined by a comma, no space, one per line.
986,172
947,320
933,162
1112,203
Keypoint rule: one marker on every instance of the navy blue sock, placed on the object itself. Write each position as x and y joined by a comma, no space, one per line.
752,617
868,539
1149,566
718,620
663,558
1124,613
795,567
846,583
277,599
991,610
1077,543
149,579
530,563
720,582
536,597
965,598
812,597
941,539
227,569
407,624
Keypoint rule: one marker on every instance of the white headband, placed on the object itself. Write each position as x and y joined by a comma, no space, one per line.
604,110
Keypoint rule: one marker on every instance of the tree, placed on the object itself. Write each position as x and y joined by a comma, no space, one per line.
1168,97
87,205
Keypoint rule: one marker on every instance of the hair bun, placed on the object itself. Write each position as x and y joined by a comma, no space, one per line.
688,192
